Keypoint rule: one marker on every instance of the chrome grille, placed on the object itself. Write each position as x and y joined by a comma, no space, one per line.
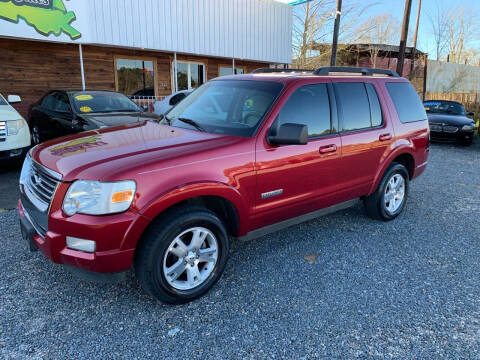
450,129
41,183
3,130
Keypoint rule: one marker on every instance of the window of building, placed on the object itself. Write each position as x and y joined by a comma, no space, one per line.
354,104
190,75
135,77
308,105
224,70
407,102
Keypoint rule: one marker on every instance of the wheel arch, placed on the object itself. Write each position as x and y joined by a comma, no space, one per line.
404,156
221,199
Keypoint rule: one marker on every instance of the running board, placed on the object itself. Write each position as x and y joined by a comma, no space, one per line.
298,220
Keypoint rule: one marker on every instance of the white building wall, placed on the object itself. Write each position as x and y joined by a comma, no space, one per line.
244,29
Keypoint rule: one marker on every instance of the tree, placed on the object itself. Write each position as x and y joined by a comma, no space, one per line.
439,26
313,28
381,29
461,32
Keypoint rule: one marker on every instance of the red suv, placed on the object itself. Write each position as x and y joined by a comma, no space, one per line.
240,157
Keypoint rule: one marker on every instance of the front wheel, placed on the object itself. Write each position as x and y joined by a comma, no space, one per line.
183,255
388,201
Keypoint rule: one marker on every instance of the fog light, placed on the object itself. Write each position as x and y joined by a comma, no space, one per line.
81,244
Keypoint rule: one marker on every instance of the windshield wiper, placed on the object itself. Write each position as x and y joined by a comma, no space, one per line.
192,123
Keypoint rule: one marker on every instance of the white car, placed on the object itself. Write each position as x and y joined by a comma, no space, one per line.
163,106
14,131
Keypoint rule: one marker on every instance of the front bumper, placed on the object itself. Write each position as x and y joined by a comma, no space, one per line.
111,233
451,137
14,154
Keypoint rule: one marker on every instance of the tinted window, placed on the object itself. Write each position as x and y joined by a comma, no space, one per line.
407,103
232,107
3,101
308,105
375,107
61,103
48,101
354,105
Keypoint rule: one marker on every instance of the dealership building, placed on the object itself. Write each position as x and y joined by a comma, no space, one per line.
143,48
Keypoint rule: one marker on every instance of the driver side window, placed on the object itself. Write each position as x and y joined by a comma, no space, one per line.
308,105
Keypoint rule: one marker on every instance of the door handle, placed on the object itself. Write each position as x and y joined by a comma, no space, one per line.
385,137
328,149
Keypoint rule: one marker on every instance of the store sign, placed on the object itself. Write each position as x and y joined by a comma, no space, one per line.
45,16
44,4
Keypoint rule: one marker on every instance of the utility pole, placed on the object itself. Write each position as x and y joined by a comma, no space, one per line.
403,40
415,36
336,29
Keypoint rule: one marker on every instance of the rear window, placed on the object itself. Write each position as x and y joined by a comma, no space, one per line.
407,102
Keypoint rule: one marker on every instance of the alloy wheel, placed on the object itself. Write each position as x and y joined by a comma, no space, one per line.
190,259
394,193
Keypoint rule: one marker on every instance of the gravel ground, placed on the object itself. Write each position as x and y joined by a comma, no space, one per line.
341,286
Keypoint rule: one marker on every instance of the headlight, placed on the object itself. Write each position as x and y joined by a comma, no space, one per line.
99,198
14,126
468,127
25,173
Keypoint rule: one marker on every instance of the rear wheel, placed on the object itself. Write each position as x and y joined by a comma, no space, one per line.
183,255
388,201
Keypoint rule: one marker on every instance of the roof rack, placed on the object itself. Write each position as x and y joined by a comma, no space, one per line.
364,71
273,70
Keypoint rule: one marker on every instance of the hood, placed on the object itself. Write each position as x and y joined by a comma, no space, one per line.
116,119
8,113
456,120
110,153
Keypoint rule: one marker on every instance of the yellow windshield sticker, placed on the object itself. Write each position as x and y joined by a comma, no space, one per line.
85,109
85,97
427,108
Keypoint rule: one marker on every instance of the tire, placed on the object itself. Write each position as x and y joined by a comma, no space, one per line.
376,205
160,251
36,135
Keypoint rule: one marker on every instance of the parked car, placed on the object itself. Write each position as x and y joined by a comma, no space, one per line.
163,106
14,133
449,121
66,112
168,198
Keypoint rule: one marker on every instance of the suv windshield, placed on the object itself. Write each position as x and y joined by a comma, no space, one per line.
444,107
231,107
102,102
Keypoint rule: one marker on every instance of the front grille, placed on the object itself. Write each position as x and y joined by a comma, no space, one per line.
443,128
41,183
450,129
3,130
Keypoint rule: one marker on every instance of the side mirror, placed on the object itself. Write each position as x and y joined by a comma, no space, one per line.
13,99
288,134
470,114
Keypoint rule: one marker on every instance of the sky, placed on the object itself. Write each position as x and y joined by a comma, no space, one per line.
396,8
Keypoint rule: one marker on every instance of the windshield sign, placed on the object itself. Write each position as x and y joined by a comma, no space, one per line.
103,102
230,107
444,107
